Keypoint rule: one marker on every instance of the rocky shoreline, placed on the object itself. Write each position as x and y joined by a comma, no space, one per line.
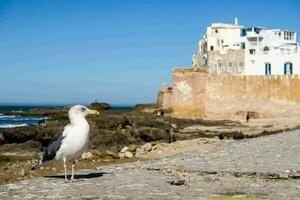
118,136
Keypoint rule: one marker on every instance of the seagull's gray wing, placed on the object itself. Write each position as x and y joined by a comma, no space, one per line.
49,152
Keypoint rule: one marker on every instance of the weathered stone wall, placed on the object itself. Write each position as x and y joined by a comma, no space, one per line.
272,96
232,56
188,95
198,94
164,98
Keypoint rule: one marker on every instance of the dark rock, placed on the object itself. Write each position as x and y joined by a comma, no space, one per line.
238,136
221,137
149,134
29,146
100,106
178,182
2,139
24,134
112,122
107,138
51,112
234,135
153,123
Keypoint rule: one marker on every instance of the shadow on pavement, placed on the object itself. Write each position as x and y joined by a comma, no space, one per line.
80,176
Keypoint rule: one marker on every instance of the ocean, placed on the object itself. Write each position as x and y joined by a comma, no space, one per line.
12,121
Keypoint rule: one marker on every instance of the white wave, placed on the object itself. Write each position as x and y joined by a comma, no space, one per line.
12,125
8,116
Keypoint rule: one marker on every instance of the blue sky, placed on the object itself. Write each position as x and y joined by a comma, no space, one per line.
116,51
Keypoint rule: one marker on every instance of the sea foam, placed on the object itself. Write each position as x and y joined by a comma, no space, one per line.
12,125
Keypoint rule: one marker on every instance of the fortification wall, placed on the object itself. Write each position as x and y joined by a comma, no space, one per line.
272,96
164,98
198,94
188,94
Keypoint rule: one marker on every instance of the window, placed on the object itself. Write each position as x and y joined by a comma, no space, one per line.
229,67
252,51
267,68
219,67
243,32
240,66
216,31
288,68
288,35
243,45
256,30
211,48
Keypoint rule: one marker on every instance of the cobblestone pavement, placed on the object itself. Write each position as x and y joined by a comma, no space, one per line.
266,167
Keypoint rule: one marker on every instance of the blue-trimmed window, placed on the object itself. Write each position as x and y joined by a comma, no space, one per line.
268,69
288,68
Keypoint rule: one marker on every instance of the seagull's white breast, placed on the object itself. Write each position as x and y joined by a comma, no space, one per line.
75,140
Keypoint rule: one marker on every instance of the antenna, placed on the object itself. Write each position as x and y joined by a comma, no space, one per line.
235,21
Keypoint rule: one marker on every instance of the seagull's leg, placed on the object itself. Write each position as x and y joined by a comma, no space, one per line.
73,168
65,168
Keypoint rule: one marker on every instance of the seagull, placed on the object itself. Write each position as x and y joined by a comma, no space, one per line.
71,142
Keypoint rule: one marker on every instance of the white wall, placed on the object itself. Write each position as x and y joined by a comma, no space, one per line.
276,60
280,51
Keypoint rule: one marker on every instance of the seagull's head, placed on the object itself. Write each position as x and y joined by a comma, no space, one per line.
81,111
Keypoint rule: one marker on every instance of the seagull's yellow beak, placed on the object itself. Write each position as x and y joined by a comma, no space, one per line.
94,112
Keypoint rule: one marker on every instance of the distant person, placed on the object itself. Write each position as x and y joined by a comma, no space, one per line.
160,113
172,136
250,115
42,123
247,117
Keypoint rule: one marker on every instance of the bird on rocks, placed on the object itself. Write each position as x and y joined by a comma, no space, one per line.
71,142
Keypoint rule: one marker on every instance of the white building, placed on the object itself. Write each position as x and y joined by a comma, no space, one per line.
236,49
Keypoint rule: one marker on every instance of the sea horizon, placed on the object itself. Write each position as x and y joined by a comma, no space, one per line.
67,104
17,120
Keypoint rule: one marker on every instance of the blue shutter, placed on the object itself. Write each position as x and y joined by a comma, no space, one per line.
291,68
284,68
266,69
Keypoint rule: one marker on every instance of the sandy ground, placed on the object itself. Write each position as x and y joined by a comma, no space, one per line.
166,149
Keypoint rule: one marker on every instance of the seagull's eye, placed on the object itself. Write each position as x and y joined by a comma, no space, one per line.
83,109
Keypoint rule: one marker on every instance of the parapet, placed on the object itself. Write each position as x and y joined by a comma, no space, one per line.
190,69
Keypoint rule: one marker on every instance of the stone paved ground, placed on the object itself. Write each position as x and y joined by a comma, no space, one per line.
266,167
